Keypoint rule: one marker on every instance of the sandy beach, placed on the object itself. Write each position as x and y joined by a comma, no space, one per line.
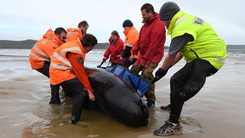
215,112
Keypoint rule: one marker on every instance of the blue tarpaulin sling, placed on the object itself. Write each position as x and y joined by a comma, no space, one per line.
135,80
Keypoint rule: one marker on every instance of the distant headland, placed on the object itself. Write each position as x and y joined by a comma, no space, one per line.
27,44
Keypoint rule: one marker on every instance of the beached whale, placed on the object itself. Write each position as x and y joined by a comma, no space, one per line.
117,98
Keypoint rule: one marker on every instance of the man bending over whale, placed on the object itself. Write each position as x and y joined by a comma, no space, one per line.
67,70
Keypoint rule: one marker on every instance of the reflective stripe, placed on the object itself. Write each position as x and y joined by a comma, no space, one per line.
38,57
71,33
129,45
61,59
180,19
60,67
71,49
64,61
40,51
48,40
219,60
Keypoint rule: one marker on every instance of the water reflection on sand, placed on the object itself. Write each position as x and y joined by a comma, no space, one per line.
55,122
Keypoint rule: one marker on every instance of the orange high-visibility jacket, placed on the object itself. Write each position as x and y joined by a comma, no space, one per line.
60,68
131,38
43,49
74,33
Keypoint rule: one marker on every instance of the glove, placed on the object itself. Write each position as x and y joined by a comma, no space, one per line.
159,74
104,59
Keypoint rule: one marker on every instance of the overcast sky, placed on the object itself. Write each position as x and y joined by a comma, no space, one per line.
29,19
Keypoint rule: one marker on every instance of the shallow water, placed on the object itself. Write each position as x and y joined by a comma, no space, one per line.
25,112
27,96
54,121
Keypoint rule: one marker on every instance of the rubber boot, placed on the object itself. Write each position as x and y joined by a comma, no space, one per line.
55,98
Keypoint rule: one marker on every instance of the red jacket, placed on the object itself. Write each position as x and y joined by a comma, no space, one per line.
114,51
151,41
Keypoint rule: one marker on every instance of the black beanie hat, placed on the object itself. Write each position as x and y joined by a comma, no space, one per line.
127,23
168,10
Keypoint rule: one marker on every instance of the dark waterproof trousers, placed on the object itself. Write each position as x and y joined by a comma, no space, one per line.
128,63
45,69
75,88
186,83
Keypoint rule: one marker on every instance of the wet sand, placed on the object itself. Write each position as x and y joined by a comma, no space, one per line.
215,112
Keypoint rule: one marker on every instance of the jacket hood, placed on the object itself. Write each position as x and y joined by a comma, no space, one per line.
154,17
50,35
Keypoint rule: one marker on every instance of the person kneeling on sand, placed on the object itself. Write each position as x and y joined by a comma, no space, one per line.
67,69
